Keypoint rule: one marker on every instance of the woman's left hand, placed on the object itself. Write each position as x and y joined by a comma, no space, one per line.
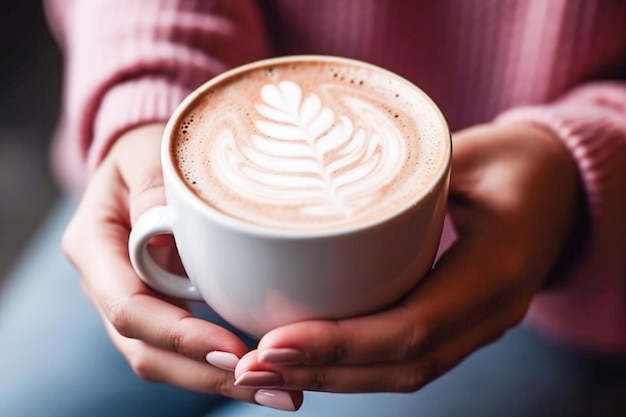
514,198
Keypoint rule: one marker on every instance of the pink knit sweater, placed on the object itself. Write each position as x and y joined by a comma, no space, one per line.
130,62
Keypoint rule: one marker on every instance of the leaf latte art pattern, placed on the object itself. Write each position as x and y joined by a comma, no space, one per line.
310,157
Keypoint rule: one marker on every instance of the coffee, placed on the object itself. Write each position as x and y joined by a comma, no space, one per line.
299,188
314,144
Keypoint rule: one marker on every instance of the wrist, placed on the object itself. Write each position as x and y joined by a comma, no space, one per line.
569,188
136,140
128,105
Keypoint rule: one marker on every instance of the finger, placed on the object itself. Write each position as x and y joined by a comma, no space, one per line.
459,291
101,256
404,376
144,181
166,326
135,312
158,365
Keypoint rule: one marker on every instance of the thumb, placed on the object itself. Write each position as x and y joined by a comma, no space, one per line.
137,155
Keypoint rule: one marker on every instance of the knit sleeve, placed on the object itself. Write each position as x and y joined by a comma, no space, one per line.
591,122
130,62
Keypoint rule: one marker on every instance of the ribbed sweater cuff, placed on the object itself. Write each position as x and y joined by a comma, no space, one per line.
590,135
596,139
131,104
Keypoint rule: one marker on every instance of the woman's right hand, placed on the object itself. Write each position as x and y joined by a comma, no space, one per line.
162,341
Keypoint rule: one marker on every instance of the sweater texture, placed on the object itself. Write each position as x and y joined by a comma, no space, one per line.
560,64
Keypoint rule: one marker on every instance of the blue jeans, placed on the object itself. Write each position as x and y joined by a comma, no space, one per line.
57,361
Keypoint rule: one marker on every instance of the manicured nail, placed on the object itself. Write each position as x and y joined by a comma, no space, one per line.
223,360
284,356
259,379
281,400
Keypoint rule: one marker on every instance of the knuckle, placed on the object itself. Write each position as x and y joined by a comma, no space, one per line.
413,341
141,365
177,337
319,381
336,346
118,313
339,353
408,383
223,385
414,378
177,342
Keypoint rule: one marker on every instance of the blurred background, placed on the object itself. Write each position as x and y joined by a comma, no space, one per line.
30,78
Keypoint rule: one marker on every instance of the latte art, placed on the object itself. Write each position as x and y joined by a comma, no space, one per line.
306,156
310,146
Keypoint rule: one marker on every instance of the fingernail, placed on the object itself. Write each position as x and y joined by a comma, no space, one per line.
285,356
259,379
280,400
223,360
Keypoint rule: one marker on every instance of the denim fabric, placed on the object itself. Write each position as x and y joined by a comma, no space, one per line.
57,361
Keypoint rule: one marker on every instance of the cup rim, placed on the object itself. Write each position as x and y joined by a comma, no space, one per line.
234,223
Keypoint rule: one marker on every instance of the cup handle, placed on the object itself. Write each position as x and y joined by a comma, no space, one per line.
157,221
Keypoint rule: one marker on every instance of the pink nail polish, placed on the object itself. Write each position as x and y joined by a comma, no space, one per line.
280,400
259,379
282,356
223,360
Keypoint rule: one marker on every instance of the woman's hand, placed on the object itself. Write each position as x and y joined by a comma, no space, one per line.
514,197
162,341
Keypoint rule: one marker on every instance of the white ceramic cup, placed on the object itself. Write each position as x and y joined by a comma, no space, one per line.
258,278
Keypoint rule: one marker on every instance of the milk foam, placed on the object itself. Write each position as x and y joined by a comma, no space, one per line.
317,146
